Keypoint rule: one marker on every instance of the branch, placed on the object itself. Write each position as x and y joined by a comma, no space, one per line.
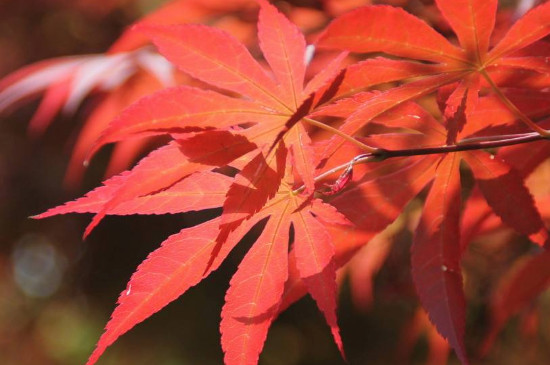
478,143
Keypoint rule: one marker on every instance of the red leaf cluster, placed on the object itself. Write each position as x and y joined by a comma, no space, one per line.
389,127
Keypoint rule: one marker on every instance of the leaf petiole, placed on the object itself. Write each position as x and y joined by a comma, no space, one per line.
476,143
513,108
341,134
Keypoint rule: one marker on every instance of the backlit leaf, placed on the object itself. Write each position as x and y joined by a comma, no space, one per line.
366,30
435,256
472,21
314,252
252,301
224,61
507,195
283,45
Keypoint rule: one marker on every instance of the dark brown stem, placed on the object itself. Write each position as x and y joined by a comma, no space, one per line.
515,139
383,154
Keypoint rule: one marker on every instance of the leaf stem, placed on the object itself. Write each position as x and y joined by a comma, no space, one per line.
364,158
472,144
491,138
341,134
513,108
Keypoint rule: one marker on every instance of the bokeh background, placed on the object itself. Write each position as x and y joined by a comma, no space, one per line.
57,291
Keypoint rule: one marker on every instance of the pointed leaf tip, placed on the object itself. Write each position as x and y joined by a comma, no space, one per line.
158,281
435,256
252,301
315,252
284,48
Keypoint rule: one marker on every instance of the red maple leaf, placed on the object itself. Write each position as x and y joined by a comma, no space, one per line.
472,67
211,130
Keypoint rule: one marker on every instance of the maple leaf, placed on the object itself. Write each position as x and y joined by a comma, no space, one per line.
210,130
271,104
469,67
507,195
374,200
361,31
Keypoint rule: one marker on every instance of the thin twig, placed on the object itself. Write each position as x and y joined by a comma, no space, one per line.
383,154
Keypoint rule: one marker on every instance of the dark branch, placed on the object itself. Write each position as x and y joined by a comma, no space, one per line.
479,144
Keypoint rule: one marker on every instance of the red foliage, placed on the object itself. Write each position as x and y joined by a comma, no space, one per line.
408,123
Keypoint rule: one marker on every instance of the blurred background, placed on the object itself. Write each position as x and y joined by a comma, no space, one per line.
57,291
